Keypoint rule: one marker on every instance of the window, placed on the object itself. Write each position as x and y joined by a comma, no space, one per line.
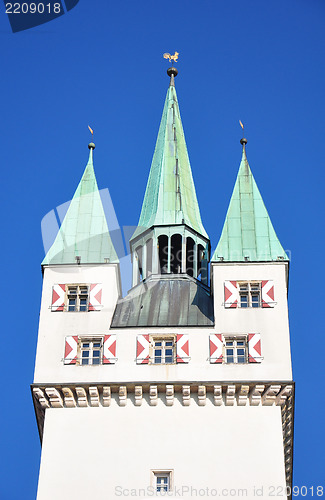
161,480
249,294
77,298
163,350
235,349
91,351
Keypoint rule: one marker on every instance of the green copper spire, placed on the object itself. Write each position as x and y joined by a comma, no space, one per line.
248,233
170,196
84,232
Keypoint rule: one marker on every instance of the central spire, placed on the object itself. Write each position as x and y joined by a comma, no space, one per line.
170,196
170,237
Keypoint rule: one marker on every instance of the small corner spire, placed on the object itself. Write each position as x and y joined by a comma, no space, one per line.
171,72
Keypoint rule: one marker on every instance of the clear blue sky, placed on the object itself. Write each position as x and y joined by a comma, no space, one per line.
255,60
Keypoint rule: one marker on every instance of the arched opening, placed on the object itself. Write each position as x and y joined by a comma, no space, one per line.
163,253
149,256
200,257
138,252
176,254
190,256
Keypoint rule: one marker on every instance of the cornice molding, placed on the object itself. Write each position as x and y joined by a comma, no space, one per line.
80,395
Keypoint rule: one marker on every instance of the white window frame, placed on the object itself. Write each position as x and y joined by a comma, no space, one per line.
163,339
250,292
156,473
91,340
235,347
79,287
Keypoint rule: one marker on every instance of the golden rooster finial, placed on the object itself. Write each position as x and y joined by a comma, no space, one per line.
171,58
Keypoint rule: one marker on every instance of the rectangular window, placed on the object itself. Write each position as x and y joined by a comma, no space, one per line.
77,298
91,351
249,294
161,480
162,350
235,349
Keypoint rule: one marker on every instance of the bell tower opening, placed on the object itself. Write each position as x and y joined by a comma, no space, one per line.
176,254
163,253
138,252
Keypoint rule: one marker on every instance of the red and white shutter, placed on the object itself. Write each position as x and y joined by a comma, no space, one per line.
254,348
268,293
58,296
231,294
71,350
109,349
182,349
143,345
216,348
95,297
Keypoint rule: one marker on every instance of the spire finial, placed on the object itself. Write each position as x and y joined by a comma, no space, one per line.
172,72
91,145
243,141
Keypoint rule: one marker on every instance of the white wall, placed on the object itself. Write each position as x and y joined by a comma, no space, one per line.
271,323
89,452
55,326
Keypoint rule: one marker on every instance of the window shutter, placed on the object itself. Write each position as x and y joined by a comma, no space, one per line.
58,296
231,294
95,297
182,349
109,350
143,345
268,294
216,348
254,348
71,350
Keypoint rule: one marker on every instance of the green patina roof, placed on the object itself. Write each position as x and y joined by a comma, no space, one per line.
170,196
84,230
248,230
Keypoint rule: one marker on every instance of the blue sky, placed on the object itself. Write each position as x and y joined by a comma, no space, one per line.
101,64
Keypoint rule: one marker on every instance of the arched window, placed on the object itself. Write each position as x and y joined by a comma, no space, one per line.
176,254
149,256
163,253
190,256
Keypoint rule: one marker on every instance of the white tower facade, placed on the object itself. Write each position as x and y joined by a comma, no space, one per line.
182,388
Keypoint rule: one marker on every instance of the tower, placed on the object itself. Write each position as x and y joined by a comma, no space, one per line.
183,386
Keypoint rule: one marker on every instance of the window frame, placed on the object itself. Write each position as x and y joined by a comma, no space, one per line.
235,347
78,295
91,339
163,339
250,293
156,473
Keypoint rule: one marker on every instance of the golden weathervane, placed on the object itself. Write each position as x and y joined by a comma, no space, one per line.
170,57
